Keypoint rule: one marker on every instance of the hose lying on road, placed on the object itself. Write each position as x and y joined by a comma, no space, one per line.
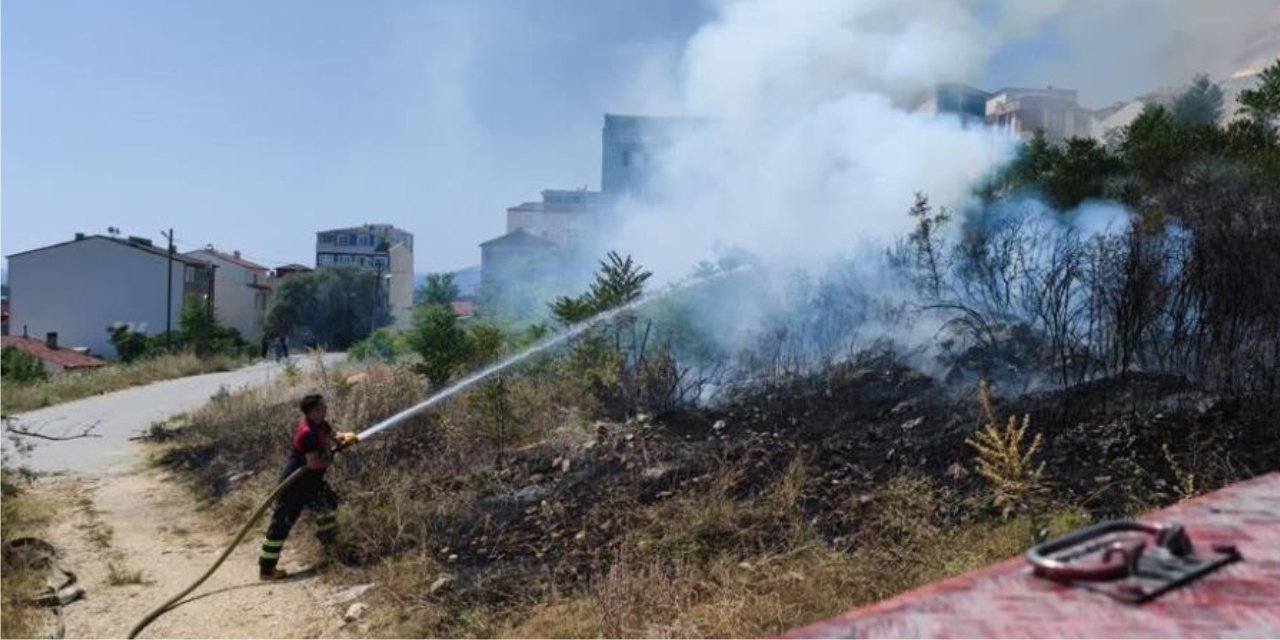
172,602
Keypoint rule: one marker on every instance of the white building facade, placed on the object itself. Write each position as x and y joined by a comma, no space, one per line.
81,288
242,290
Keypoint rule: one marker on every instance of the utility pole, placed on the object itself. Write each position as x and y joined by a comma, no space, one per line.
168,305
377,297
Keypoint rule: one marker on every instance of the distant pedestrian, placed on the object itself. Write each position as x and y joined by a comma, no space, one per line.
266,345
282,347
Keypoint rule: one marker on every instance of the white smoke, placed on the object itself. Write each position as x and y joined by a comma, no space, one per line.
808,157
807,149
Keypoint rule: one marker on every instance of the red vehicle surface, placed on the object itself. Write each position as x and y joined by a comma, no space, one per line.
1239,598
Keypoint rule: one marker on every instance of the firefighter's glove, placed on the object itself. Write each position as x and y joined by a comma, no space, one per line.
347,439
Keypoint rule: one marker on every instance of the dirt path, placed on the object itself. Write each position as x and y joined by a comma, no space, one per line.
134,540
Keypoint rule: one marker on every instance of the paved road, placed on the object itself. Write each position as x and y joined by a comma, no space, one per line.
124,414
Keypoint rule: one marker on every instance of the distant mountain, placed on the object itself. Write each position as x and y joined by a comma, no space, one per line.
468,280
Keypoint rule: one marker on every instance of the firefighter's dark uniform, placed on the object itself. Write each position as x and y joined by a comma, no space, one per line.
310,491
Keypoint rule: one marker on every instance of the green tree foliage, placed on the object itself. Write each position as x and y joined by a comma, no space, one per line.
1262,102
1064,175
619,281
18,366
439,289
486,342
198,326
441,343
1201,103
129,345
333,307
199,331
612,363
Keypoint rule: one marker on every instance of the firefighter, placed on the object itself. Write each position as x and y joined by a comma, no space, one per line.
314,442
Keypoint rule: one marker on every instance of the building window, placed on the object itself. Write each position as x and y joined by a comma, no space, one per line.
260,301
343,239
324,260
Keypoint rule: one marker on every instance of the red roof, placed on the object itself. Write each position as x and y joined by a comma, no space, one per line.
65,358
1239,600
464,308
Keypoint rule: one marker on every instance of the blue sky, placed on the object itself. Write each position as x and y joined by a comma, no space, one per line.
250,124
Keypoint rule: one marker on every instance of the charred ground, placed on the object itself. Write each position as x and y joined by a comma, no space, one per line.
506,531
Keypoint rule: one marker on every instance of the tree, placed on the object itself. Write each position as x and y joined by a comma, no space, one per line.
1201,103
129,345
926,245
1081,171
486,342
1262,102
619,281
439,289
199,331
198,327
333,307
18,366
436,337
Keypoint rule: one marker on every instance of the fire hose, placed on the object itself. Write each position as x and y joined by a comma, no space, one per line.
364,435
434,399
235,542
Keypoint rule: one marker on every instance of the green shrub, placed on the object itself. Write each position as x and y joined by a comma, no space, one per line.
20,367
439,341
385,344
130,345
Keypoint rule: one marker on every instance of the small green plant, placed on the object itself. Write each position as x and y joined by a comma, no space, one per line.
291,372
1004,460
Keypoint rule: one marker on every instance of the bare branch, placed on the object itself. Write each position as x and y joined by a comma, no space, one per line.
11,427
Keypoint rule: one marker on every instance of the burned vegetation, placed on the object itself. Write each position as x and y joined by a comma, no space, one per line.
765,448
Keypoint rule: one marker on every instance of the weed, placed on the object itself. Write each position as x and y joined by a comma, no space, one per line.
291,372
99,533
1002,458
1187,485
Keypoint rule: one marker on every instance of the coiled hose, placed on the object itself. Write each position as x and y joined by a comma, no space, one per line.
172,602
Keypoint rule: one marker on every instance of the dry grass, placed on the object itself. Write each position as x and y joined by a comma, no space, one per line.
113,377
22,516
704,562
120,575
646,594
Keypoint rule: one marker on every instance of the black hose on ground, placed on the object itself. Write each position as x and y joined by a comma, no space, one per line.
172,602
